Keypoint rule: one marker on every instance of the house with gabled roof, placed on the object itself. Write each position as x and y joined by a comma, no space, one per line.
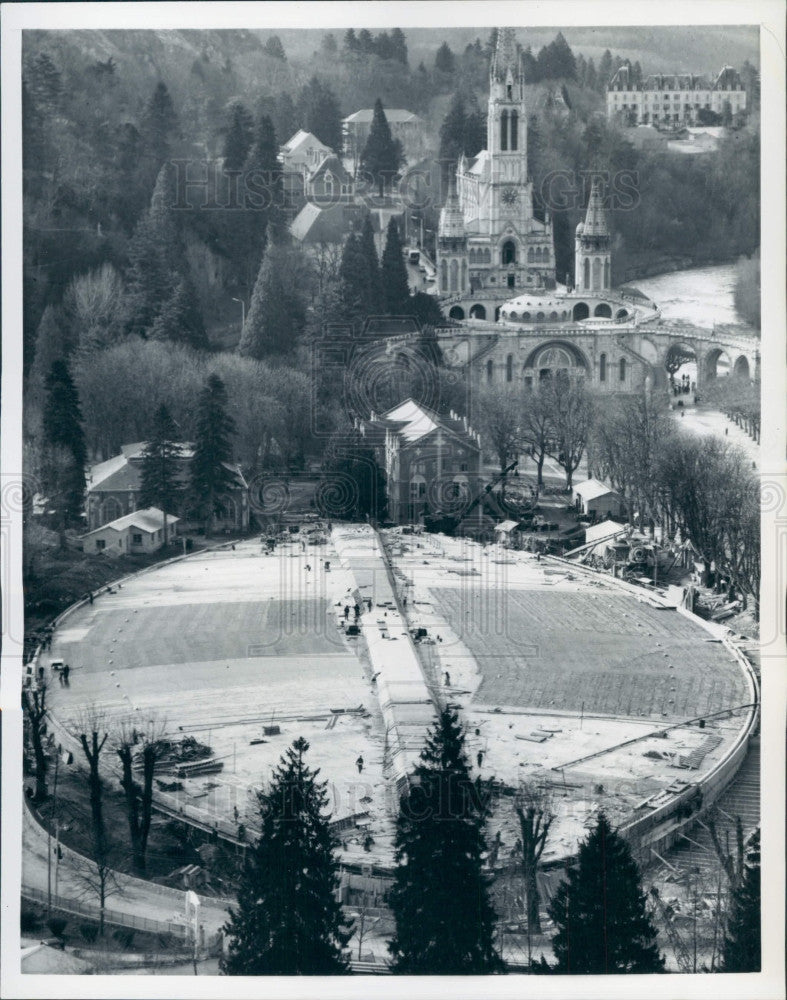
113,489
140,532
432,461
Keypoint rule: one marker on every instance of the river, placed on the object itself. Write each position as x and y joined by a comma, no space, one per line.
702,296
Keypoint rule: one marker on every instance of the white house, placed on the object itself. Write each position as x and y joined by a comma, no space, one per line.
597,499
141,531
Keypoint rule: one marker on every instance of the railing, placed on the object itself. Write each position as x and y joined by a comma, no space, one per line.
119,918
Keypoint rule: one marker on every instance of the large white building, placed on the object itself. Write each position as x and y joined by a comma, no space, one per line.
676,99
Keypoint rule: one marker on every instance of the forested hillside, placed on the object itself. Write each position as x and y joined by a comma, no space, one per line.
119,263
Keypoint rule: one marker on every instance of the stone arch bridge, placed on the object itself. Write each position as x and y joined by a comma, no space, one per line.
664,345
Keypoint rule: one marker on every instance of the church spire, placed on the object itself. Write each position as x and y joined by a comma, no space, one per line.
595,217
505,56
452,221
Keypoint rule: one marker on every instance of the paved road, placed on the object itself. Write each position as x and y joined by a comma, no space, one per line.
710,422
136,897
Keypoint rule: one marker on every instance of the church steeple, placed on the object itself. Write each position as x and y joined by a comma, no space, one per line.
452,246
506,118
592,250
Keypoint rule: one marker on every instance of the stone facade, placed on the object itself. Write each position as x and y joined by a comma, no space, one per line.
677,99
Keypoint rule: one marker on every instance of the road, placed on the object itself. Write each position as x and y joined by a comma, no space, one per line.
710,422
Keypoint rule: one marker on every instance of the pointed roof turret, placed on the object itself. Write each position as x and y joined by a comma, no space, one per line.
595,217
505,56
452,221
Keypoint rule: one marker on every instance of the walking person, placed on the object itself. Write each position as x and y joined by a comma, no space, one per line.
346,611
66,672
359,763
447,679
480,757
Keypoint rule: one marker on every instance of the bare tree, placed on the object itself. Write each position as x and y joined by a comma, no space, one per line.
533,807
536,430
93,735
571,413
131,745
499,415
96,878
34,705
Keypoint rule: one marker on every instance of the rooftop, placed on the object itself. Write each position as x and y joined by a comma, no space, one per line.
150,519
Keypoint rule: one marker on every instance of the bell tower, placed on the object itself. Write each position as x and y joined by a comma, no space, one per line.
452,263
592,247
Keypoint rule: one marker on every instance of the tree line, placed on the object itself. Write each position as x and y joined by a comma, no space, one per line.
705,489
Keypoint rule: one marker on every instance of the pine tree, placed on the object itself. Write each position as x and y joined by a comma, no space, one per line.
352,289
209,476
238,138
399,46
180,319
160,483
155,256
393,274
158,127
320,113
440,897
382,154
600,914
444,59
372,290
350,41
288,920
52,344
161,301
273,47
741,951
65,453
276,315
262,197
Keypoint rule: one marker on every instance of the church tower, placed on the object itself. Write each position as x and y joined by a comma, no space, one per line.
506,140
592,248
452,262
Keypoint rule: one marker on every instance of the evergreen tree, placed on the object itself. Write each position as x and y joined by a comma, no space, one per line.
273,47
440,897
238,138
370,263
45,82
328,44
444,59
209,477
382,155
350,41
160,299
158,127
741,951
180,319
160,484
604,73
399,46
599,911
276,316
393,274
591,78
64,453
52,344
287,920
262,193
320,113
352,289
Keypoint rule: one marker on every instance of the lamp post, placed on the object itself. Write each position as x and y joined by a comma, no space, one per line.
242,312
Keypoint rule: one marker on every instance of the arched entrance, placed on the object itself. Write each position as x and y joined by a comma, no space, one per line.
456,312
555,359
717,363
602,309
581,310
477,312
681,365
508,252
741,367
621,314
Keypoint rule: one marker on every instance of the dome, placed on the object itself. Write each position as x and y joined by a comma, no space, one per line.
580,228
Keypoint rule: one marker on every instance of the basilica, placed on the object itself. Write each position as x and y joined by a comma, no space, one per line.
512,320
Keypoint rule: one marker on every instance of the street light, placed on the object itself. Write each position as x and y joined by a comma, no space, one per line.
242,312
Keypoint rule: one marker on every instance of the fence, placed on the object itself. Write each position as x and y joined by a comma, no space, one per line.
92,911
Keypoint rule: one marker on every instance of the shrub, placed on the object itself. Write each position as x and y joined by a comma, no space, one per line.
57,925
89,932
28,920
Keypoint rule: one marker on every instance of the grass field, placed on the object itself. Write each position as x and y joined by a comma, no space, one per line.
602,651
